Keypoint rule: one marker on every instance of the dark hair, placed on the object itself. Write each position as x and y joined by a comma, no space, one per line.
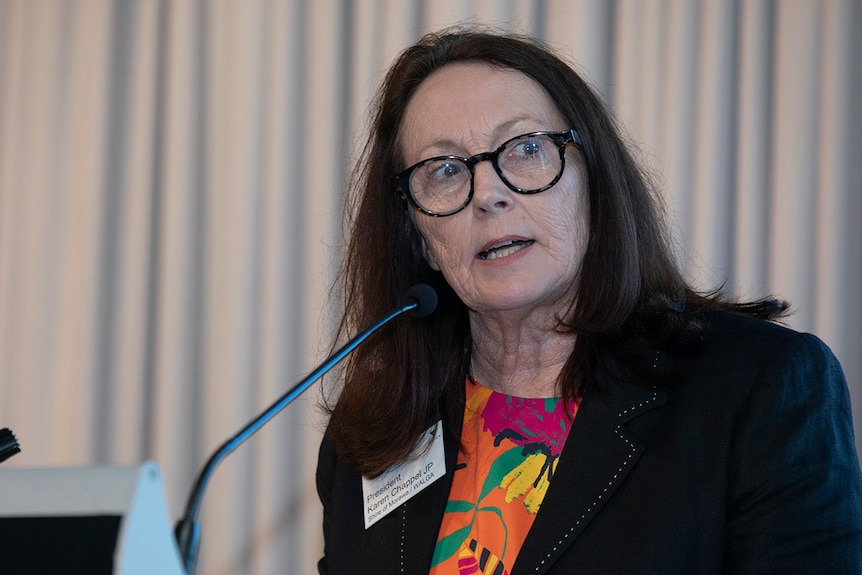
631,297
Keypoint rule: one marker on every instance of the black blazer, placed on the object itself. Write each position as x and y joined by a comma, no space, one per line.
745,463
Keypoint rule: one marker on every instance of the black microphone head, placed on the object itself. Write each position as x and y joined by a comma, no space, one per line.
425,298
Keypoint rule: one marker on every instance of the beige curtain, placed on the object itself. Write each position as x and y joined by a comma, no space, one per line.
171,175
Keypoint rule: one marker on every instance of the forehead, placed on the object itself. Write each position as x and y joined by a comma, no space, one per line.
473,104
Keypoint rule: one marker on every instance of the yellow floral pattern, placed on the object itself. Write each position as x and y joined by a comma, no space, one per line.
528,480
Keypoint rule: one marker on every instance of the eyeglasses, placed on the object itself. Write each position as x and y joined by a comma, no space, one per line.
527,164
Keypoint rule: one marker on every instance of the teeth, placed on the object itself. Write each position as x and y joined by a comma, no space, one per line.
502,252
503,249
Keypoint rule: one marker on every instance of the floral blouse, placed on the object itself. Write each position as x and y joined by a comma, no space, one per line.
511,449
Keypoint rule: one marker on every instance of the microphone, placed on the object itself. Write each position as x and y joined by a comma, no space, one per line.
424,297
419,301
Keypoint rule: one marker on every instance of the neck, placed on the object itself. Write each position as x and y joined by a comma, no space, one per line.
518,358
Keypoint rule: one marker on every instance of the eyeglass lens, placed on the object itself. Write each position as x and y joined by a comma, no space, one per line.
526,164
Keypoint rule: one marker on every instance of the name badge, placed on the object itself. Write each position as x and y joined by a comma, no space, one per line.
385,493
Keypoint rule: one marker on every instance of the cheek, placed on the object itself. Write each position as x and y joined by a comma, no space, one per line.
441,239
567,224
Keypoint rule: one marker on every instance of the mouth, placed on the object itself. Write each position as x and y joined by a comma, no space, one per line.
505,248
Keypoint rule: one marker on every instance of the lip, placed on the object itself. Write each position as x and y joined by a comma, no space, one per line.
502,243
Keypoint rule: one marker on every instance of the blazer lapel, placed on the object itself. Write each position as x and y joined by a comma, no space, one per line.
596,459
420,517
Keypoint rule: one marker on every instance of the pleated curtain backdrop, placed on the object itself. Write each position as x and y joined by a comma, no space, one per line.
171,175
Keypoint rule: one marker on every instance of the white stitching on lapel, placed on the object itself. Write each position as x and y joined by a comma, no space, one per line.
403,532
641,404
610,483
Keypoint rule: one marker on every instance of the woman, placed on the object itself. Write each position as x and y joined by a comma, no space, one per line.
597,415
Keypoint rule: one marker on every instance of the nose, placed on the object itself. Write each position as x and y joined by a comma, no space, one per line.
490,194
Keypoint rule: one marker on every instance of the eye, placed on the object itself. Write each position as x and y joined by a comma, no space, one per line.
530,147
442,170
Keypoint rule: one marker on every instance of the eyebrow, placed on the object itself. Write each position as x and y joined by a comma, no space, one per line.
496,134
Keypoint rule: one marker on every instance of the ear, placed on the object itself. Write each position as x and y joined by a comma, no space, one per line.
429,256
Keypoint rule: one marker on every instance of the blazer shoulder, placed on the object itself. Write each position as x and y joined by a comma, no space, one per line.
723,324
747,343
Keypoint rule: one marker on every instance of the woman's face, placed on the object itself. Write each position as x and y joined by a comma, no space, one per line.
468,108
